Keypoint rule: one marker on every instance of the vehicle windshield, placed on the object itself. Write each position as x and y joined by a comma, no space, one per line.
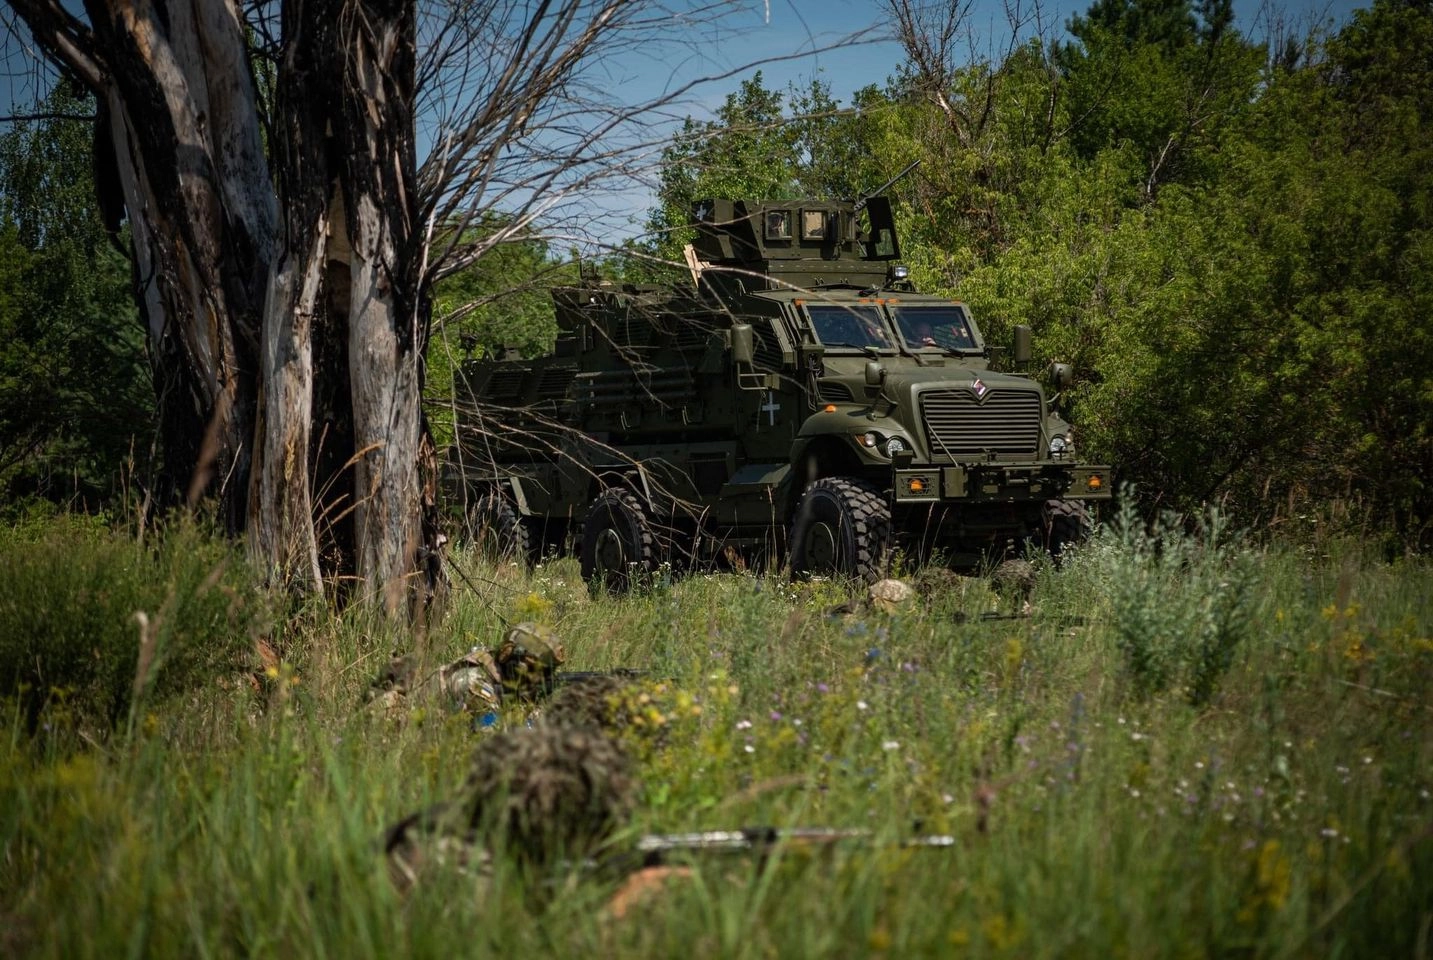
944,326
855,325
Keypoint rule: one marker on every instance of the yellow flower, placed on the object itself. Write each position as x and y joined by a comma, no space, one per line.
1000,931
1271,876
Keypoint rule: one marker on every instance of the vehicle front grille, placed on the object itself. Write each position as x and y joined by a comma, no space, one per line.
959,427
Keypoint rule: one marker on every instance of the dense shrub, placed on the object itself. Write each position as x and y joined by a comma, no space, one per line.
91,617
1181,597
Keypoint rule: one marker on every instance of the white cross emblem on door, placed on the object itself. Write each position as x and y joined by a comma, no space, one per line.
771,407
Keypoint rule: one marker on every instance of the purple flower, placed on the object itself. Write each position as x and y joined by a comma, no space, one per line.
822,688
776,716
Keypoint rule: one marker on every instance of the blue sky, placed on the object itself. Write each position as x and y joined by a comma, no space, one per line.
778,28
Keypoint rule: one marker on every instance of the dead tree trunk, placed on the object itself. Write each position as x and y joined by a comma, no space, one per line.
347,85
287,348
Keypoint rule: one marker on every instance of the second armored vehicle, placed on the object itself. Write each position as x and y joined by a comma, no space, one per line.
798,400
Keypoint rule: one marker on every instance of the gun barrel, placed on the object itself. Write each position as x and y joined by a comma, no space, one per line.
861,203
749,839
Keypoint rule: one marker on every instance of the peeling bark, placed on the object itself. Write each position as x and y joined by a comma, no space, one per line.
283,295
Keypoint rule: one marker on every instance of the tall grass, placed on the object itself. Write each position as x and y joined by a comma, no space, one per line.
1268,796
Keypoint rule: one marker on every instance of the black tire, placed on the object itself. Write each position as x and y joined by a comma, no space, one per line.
1067,523
618,548
498,533
842,528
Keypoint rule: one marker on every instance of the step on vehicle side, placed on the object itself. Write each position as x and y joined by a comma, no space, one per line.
799,402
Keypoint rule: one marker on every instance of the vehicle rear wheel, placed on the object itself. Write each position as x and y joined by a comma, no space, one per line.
618,548
842,528
1067,522
498,532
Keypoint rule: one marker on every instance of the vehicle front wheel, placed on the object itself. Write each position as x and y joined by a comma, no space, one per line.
1067,522
618,548
842,528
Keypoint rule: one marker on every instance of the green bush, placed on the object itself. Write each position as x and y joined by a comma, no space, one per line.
91,617
1181,598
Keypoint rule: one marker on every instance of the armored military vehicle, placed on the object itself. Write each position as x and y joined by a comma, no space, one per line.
799,402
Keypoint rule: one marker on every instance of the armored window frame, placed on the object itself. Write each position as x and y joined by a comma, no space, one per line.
813,224
777,224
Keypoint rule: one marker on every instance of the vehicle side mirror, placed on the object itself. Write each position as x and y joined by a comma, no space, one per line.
743,345
1024,348
875,373
1062,375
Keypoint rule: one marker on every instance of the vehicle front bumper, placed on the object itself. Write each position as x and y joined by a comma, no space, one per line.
1001,482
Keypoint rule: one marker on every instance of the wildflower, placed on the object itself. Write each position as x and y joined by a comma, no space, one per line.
822,688
749,748
889,745
1328,832
862,705
743,724
776,716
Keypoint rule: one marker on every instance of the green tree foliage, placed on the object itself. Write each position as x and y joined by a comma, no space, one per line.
75,398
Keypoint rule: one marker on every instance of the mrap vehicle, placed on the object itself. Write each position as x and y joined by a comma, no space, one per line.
798,401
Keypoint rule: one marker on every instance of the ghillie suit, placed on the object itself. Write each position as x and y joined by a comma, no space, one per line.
543,794
600,702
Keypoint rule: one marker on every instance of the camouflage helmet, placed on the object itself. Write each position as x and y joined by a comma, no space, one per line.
527,659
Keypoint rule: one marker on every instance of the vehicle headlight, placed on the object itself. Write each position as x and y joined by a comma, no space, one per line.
869,440
1060,446
894,446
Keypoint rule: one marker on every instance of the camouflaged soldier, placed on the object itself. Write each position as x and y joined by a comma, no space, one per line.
543,794
521,668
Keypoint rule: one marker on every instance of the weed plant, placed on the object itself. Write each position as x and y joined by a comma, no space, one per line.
1255,784
93,621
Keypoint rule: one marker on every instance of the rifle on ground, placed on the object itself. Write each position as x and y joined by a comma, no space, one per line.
660,849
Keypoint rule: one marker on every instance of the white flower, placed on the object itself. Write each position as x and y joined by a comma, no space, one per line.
889,745
750,749
862,705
